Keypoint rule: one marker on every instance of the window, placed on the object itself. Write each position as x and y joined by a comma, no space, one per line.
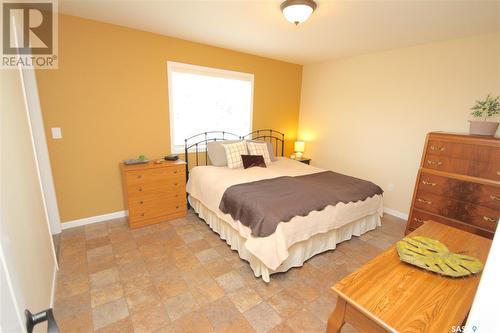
206,99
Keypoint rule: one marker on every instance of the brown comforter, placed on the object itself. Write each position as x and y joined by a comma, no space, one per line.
263,204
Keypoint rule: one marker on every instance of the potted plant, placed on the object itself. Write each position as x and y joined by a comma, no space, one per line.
485,109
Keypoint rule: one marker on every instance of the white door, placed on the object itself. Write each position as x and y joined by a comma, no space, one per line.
42,153
27,258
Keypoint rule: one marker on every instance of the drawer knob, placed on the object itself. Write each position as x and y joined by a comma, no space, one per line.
139,176
175,184
176,195
142,214
428,183
424,201
494,197
140,189
489,219
435,163
175,171
418,220
177,207
436,148
141,202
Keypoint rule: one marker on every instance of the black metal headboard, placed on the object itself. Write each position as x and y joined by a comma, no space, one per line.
197,144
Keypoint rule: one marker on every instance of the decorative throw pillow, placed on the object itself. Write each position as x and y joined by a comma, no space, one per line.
259,148
217,153
234,152
270,148
253,161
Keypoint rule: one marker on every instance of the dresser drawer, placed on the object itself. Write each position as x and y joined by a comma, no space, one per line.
154,175
172,185
480,153
463,167
156,207
475,193
477,215
152,200
417,218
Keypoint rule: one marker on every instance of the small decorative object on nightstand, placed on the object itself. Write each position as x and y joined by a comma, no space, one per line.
154,192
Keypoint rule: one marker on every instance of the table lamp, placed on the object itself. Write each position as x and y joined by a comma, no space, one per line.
299,149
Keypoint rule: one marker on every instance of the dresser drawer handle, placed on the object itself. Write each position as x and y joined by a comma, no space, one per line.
424,201
489,219
139,176
142,214
436,163
140,189
494,197
418,220
175,184
435,148
141,202
176,195
175,171
177,207
428,183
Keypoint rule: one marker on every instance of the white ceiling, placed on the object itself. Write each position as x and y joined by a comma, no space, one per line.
336,29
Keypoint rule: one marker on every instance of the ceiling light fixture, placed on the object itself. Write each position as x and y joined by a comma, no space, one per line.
297,11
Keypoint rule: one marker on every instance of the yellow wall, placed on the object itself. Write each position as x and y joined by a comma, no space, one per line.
26,241
367,116
110,98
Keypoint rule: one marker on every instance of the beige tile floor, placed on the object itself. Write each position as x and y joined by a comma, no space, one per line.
179,276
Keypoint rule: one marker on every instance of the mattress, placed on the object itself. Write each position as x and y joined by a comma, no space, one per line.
207,185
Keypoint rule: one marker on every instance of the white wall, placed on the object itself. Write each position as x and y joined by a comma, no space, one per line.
367,116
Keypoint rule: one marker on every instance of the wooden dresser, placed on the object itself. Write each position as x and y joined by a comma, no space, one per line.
154,192
458,183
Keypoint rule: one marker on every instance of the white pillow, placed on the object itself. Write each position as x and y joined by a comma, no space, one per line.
234,152
259,148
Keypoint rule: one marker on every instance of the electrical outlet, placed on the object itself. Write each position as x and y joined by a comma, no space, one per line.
390,187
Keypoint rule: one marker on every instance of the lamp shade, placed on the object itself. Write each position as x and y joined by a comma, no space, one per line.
299,146
297,11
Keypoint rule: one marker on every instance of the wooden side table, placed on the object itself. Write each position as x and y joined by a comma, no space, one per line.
303,160
387,295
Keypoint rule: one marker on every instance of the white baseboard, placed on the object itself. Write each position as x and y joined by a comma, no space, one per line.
93,219
54,285
393,212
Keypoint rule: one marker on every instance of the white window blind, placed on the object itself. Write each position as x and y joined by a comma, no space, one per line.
205,99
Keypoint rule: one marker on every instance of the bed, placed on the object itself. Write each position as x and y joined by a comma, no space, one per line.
293,241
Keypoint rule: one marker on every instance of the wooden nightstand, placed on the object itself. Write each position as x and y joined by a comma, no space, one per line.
303,160
154,192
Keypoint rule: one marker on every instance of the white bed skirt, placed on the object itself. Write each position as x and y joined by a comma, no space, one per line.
298,253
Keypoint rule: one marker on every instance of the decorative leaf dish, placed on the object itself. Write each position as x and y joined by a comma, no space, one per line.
434,256
134,161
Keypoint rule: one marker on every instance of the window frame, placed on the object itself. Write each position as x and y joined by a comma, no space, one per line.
208,71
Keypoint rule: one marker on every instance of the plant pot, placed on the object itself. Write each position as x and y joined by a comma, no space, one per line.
481,127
